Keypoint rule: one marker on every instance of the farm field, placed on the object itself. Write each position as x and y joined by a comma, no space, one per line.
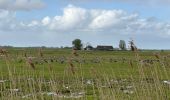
63,74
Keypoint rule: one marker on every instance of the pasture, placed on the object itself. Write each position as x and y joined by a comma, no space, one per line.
63,74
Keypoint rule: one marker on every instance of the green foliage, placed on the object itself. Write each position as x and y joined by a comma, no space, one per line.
77,44
122,45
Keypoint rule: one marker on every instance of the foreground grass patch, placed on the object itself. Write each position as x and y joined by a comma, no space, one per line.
92,75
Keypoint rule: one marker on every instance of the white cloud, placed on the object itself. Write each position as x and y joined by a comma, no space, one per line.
73,17
109,21
46,21
76,19
7,20
106,18
14,5
3,13
33,23
76,22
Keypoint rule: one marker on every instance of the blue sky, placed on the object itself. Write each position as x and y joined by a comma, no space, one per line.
100,22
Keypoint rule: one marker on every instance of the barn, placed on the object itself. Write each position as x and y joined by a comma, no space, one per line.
104,48
88,48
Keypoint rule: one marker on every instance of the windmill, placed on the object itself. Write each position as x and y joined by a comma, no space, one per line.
132,45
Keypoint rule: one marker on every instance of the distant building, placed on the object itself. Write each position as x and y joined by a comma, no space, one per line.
88,48
117,49
106,48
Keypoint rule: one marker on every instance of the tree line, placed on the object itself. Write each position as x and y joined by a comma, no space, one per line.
77,44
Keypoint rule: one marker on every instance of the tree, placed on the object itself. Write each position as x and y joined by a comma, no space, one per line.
77,44
122,45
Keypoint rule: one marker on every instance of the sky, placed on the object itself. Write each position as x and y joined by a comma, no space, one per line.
55,23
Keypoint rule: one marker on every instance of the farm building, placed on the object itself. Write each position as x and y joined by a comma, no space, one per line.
88,48
106,48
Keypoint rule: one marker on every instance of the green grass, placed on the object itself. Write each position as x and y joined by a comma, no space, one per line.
99,75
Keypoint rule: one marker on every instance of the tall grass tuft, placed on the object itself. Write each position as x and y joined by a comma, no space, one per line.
30,62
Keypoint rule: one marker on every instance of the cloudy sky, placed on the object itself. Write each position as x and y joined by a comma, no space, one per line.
100,22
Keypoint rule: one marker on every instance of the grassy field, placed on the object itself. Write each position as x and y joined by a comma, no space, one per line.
57,74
